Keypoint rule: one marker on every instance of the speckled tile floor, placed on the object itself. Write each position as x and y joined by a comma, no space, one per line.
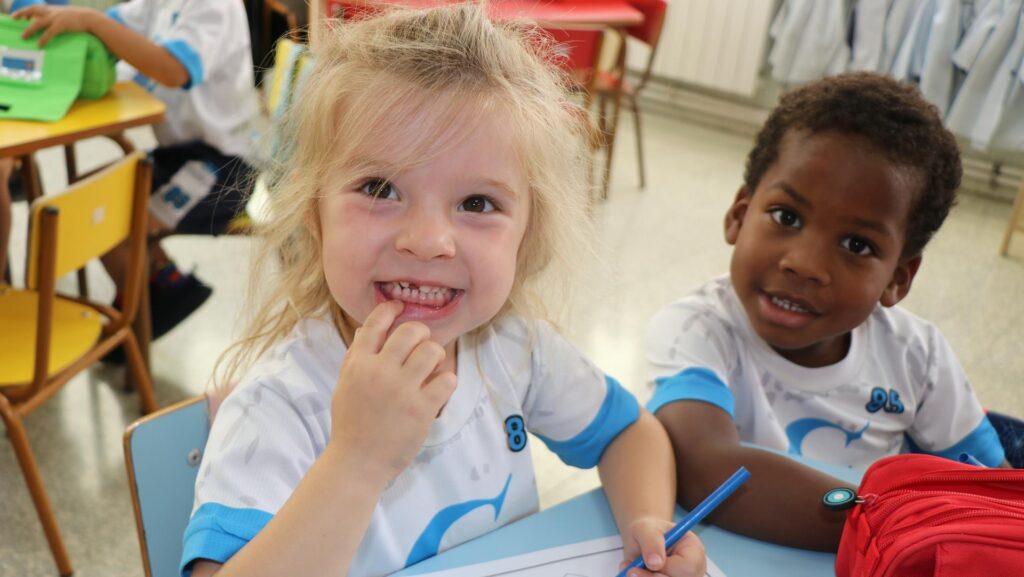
658,244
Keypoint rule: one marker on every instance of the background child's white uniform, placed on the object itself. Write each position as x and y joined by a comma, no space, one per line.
899,383
211,40
206,139
472,475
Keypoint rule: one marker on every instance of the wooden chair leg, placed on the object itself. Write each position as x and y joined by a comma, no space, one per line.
639,140
71,165
609,145
140,373
142,327
34,481
1014,224
30,178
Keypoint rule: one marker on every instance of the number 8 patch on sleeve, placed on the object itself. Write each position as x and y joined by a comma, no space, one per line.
515,428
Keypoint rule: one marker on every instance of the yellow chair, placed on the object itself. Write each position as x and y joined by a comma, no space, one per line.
48,338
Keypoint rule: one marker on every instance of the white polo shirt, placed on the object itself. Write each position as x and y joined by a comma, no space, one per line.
472,475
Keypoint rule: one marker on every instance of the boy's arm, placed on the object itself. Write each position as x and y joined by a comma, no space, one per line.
780,503
149,58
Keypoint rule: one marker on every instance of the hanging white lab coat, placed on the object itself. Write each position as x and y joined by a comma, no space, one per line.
909,59
938,73
1008,131
897,27
809,41
869,34
970,115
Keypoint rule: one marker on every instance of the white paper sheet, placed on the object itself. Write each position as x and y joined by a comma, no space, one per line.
596,558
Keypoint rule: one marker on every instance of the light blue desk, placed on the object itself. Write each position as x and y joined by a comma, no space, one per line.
588,517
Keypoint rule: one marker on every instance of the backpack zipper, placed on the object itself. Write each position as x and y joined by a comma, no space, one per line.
889,538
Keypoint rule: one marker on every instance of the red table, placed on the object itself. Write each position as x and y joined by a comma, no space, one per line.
551,13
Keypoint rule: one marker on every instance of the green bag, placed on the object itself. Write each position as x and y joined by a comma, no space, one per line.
41,84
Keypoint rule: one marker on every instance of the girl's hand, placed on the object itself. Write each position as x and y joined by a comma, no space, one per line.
54,20
647,536
389,392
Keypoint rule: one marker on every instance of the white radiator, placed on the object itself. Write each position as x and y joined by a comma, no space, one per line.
716,44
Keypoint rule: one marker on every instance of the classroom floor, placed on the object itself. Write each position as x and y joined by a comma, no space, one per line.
658,244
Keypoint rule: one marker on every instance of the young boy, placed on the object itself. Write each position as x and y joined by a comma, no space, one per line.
801,348
195,57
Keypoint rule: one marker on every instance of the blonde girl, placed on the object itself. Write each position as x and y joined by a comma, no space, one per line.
398,362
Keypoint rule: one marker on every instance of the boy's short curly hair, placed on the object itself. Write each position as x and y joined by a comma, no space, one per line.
895,121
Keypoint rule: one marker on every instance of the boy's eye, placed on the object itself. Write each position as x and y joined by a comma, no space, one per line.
379,188
857,246
477,204
786,217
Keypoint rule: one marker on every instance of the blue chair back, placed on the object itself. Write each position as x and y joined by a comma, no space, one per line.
162,452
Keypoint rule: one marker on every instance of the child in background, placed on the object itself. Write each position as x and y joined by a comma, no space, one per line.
7,168
801,348
195,57
397,362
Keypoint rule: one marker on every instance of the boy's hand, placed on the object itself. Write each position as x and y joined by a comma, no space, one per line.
647,536
54,20
389,392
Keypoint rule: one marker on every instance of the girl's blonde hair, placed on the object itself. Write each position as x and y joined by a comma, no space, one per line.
443,70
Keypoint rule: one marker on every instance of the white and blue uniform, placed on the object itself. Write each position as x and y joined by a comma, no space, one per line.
210,122
211,40
899,388
472,475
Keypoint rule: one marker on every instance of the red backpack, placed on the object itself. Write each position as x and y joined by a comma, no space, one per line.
919,515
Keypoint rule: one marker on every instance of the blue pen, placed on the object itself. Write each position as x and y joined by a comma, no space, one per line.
696,515
969,459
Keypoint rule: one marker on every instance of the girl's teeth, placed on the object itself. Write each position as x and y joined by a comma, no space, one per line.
428,295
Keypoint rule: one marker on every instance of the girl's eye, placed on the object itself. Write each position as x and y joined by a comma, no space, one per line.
477,204
857,246
786,217
379,188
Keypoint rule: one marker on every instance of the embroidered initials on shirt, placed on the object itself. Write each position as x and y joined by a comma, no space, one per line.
881,400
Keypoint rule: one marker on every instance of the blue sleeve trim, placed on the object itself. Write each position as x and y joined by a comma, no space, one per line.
216,532
619,410
19,4
982,443
189,58
693,384
114,14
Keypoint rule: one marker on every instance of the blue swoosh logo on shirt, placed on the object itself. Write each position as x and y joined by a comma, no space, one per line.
799,429
430,540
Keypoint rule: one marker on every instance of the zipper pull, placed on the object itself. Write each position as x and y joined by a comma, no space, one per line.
840,499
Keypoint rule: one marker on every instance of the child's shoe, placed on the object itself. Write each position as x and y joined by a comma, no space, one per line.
171,303
173,296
